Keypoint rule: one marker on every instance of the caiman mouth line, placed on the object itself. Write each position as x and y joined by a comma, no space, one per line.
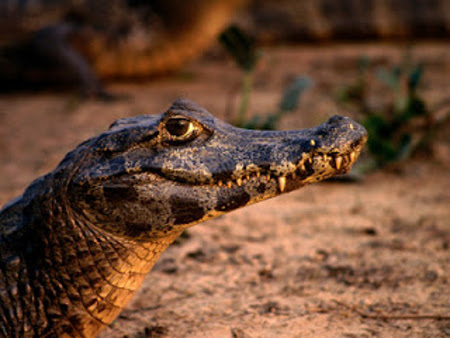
302,170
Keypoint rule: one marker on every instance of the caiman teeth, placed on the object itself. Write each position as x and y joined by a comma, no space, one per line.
338,162
301,167
282,183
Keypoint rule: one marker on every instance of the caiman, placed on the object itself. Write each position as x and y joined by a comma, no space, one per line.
78,243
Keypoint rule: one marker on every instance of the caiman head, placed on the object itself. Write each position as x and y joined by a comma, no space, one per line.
149,177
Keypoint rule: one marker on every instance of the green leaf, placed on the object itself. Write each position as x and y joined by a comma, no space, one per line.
414,77
240,46
391,78
292,93
363,64
414,107
405,147
253,123
271,122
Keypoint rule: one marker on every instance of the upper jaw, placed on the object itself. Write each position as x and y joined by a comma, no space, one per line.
310,167
288,176
303,156
327,150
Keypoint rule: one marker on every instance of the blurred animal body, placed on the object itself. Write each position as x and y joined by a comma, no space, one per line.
83,41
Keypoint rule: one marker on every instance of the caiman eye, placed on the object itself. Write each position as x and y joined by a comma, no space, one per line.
179,126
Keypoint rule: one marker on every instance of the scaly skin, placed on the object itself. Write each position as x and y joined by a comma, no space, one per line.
78,243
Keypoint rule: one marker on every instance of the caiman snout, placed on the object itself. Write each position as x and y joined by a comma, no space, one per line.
339,134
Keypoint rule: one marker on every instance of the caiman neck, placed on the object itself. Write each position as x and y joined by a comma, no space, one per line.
88,275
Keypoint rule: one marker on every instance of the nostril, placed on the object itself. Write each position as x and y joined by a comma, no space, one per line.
336,119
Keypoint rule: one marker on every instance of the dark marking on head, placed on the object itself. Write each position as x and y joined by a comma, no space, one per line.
135,230
117,193
185,210
228,201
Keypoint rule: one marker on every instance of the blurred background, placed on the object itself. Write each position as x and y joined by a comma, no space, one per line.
68,69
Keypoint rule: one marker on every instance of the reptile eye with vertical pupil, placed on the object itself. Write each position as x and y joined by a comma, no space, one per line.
179,126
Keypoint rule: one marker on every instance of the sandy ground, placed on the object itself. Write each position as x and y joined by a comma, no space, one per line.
331,260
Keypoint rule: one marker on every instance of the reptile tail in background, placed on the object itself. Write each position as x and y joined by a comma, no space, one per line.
182,31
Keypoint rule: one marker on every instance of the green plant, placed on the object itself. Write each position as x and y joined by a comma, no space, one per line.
396,128
288,103
242,48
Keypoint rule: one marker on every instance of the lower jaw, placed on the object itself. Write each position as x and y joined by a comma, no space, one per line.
276,185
